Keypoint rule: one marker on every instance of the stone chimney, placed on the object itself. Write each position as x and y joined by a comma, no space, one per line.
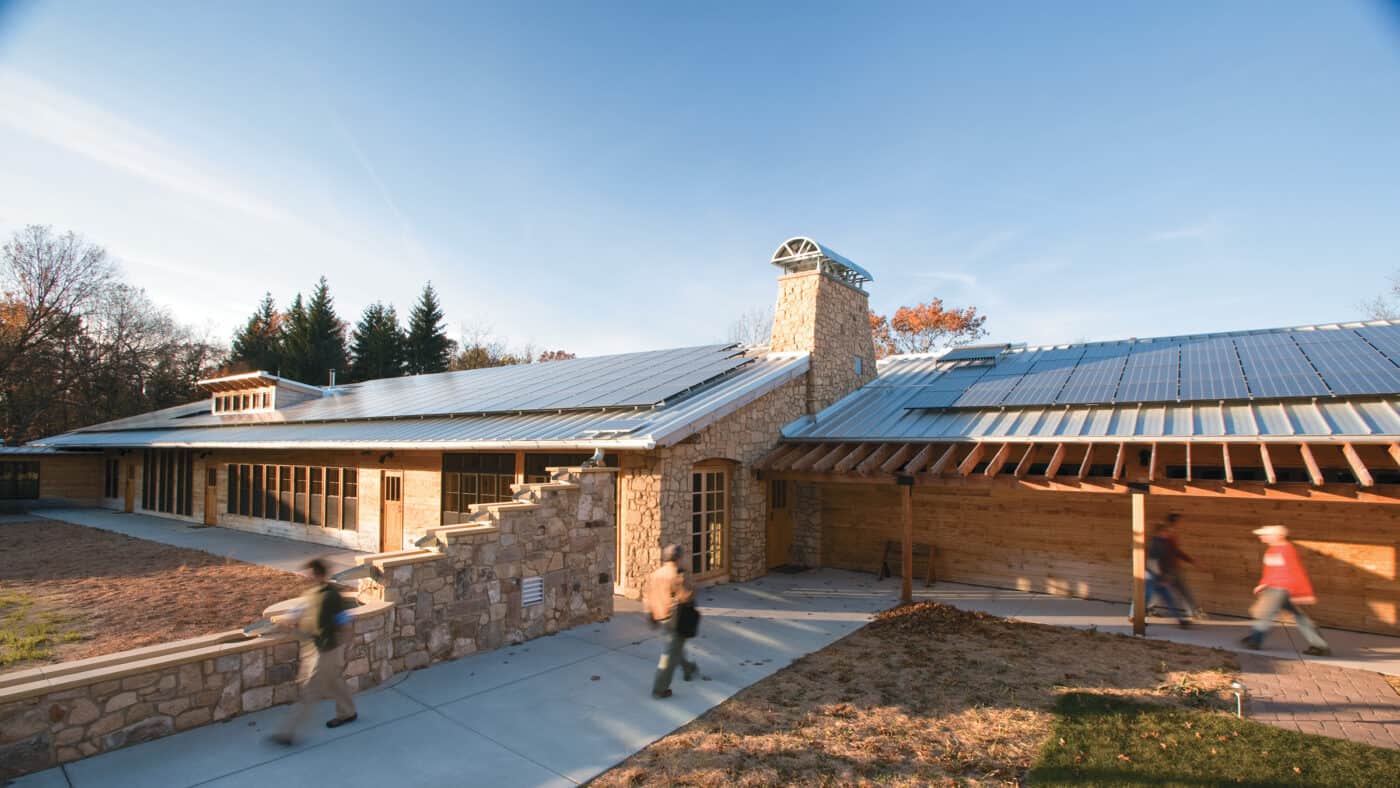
824,310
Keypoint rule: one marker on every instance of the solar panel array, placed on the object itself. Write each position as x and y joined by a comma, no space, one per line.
1310,362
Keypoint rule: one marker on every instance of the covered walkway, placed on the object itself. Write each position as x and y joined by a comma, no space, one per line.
561,710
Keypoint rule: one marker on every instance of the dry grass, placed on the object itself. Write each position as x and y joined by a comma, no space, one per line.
926,694
1394,682
111,592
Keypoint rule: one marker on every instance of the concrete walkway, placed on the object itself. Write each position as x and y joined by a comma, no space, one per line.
562,709
285,554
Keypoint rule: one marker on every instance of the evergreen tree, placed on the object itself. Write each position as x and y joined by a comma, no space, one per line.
427,347
258,345
323,335
377,345
295,354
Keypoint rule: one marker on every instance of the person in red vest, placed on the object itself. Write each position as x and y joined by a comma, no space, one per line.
1283,586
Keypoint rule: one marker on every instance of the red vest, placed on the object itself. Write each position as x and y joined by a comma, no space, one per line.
1282,569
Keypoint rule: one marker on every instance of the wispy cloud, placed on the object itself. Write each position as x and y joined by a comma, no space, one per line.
1203,229
52,116
962,278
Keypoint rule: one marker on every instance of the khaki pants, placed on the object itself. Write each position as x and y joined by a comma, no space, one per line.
671,658
322,679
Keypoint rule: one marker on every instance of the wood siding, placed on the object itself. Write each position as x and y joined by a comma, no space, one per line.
1079,544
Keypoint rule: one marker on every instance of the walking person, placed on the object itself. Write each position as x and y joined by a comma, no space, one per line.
318,621
1284,585
669,598
1161,554
1170,565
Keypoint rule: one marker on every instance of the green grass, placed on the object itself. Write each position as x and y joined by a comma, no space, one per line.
26,635
1101,740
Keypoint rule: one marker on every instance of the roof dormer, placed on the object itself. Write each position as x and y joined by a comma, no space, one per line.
255,392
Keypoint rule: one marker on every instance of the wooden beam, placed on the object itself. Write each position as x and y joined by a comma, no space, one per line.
1056,460
774,458
849,461
1152,464
829,459
897,459
999,459
1084,464
1268,461
1358,468
906,588
1188,461
1118,461
1225,458
942,462
1394,451
973,457
1139,564
1024,466
1310,462
809,458
876,457
920,461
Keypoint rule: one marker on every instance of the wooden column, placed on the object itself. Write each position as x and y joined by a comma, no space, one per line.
906,496
1139,564
520,467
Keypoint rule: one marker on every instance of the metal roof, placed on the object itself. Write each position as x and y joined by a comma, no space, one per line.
801,253
620,428
28,451
913,399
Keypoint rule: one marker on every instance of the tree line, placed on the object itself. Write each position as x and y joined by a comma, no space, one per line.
308,340
921,328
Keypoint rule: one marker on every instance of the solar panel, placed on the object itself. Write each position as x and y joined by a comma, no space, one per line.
958,378
1096,378
1210,369
1275,367
987,391
1348,363
1014,363
1386,339
931,398
1151,373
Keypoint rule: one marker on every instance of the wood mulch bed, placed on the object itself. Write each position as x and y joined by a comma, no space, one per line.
925,694
70,592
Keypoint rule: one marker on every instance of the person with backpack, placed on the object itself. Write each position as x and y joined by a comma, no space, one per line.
318,622
1284,585
670,603
1161,559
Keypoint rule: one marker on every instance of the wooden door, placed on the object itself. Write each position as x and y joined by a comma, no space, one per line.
211,496
391,513
780,522
129,496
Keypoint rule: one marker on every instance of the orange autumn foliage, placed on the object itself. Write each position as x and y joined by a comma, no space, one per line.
924,328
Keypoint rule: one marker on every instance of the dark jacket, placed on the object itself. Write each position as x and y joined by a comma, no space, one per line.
328,606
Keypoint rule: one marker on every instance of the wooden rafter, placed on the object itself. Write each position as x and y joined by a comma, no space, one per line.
773,458
1269,474
973,457
1152,464
920,461
854,456
1118,461
897,459
1084,463
829,459
1225,458
876,457
941,464
1024,466
1394,451
999,459
1358,468
1056,460
1310,462
806,461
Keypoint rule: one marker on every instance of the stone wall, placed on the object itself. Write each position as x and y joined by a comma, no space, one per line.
807,518
465,593
462,595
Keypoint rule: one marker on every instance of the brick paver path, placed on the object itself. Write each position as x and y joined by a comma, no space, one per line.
1314,698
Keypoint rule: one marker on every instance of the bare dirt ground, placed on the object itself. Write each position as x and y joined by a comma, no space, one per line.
69,592
926,694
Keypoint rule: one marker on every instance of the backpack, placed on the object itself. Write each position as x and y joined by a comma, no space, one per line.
687,619
328,619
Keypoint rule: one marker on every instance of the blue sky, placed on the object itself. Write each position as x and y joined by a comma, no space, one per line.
613,176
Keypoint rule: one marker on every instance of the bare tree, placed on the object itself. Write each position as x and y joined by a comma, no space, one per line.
754,327
1385,306
46,281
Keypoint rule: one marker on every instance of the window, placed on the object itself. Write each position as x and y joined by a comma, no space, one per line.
111,488
536,464
167,481
303,494
256,400
19,480
709,520
778,497
469,479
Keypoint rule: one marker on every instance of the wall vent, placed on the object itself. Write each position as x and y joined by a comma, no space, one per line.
531,591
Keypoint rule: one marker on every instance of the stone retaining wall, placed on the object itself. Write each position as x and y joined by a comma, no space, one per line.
461,595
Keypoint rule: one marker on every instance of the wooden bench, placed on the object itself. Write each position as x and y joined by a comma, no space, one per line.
893,551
